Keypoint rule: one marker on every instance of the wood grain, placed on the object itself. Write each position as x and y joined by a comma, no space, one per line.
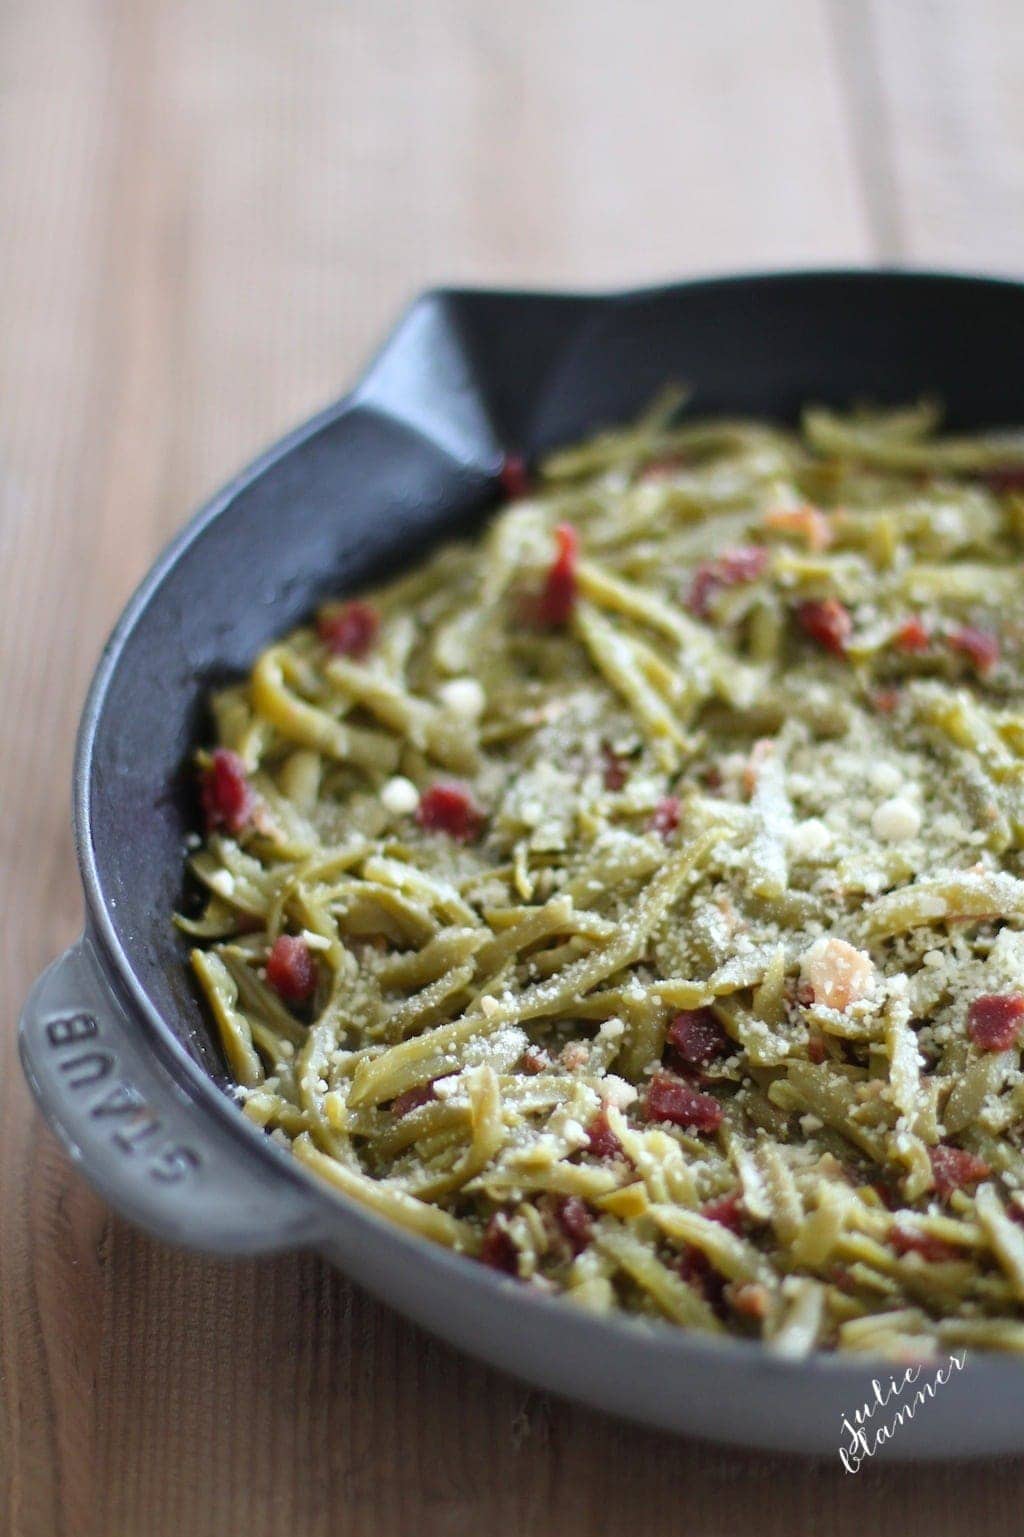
209,212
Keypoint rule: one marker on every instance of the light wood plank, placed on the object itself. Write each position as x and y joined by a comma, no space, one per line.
940,126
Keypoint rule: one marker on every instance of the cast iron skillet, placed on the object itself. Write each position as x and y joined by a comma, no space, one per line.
114,1044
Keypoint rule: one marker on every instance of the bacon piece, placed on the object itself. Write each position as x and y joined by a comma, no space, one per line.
807,523
891,1199
227,797
514,477
557,598
816,1048
910,1240
412,1099
661,469
574,1055
744,563
451,809
1008,477
349,630
980,646
953,1168
497,1250
534,1061
703,590
694,1267
733,568
665,819
750,1300
762,749
291,970
828,622
727,1211
673,1099
697,1038
574,1219
885,700
601,1140
615,770
994,1020
912,635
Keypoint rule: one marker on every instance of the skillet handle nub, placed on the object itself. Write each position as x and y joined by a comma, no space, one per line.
144,1144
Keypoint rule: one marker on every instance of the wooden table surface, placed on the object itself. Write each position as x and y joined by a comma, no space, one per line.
209,213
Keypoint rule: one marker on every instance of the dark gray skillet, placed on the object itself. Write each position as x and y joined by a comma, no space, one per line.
116,1049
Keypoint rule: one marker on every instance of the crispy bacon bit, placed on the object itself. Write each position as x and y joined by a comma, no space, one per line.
694,1267
727,1211
665,819
291,970
762,749
534,1061
1008,477
672,1099
349,630
885,700
662,469
745,563
912,635
703,590
891,1199
910,1240
816,1049
601,1140
450,808
412,1099
954,1167
732,569
557,599
574,1219
807,523
828,622
750,1299
615,768
994,1020
514,477
227,796
697,1038
980,646
497,1250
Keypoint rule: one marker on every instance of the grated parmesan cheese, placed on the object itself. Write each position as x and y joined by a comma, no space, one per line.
464,697
400,796
896,820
